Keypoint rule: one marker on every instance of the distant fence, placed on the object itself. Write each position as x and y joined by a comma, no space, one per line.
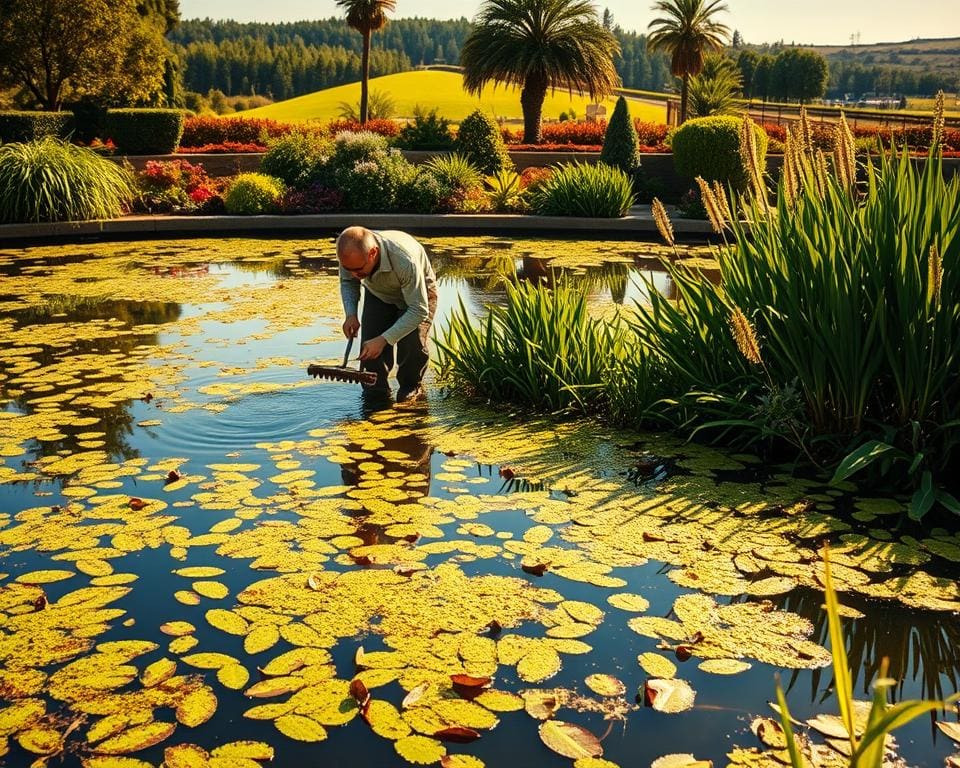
867,118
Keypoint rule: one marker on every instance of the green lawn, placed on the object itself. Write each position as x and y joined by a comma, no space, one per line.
443,90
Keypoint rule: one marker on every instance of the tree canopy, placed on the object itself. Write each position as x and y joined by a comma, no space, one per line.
540,45
63,50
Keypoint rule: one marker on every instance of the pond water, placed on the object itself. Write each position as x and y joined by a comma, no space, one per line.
196,540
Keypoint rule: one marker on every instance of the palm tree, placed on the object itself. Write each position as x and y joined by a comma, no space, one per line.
366,16
687,31
538,45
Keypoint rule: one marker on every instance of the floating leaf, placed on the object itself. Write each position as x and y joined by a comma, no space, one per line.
626,601
44,577
419,750
211,589
275,686
461,761
300,728
209,660
177,628
469,686
539,664
605,685
769,731
156,673
541,705
261,638
570,740
233,676
197,707
136,738
670,696
724,666
251,750
951,730
41,740
186,597
656,665
414,695
227,621
385,720
185,756
680,761
360,693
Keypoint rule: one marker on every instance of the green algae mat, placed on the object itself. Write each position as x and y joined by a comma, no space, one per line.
209,559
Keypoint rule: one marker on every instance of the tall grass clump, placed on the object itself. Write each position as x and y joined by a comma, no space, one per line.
52,180
844,283
541,349
575,189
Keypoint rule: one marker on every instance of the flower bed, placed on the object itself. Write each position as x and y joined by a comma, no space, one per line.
223,148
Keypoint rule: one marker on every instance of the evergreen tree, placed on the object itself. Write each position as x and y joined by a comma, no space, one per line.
621,147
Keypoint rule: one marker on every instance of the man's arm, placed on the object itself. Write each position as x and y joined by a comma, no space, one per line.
349,293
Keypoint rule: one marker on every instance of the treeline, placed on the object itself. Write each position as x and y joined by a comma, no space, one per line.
856,78
291,59
250,66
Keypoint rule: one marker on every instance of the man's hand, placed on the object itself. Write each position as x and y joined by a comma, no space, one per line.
350,326
372,349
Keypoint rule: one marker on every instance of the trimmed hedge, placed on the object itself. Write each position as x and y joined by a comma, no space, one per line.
710,147
621,148
144,131
480,141
29,126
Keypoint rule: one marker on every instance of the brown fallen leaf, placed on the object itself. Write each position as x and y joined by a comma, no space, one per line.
570,740
312,582
508,473
536,569
360,694
951,730
494,626
136,503
361,559
358,658
40,603
540,705
682,652
769,731
469,686
173,476
457,734
647,536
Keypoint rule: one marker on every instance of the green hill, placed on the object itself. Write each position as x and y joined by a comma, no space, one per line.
443,90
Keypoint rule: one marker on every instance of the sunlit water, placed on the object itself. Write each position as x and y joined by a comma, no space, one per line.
922,646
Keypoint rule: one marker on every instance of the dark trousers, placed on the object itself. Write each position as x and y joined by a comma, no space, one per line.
412,355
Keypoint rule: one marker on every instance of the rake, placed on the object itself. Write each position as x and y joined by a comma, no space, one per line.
342,372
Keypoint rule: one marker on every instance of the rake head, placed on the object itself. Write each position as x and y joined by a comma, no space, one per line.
342,373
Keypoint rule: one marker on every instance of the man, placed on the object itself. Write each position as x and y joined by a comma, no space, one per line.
400,299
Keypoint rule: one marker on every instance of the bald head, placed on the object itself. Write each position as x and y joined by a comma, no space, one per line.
357,251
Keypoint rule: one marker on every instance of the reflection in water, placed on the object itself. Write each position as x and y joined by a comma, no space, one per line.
71,315
921,646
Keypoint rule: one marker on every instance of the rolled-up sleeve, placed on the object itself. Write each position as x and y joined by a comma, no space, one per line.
413,284
349,292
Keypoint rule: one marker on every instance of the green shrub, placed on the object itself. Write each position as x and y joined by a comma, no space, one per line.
541,348
144,131
29,126
576,189
350,147
621,147
251,194
420,192
427,131
456,172
480,140
505,192
52,180
710,147
299,159
373,185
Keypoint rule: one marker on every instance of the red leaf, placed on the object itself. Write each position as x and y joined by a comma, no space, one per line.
173,476
651,537
136,504
458,734
682,652
507,473
536,569
469,686
360,694
361,559
40,603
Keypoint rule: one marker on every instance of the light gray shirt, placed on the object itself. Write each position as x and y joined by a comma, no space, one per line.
401,279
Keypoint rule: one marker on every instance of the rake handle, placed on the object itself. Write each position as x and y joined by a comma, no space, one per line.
346,355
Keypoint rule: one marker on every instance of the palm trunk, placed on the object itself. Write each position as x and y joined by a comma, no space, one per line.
531,101
364,77
684,94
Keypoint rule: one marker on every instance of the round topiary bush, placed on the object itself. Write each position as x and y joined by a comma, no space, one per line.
480,141
710,147
250,194
621,147
52,180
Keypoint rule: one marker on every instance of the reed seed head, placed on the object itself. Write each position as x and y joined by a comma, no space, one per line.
745,337
934,276
712,205
662,221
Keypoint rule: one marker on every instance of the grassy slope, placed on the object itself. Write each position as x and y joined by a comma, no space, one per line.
443,90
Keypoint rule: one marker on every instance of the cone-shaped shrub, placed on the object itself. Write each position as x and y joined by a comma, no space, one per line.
621,147
479,139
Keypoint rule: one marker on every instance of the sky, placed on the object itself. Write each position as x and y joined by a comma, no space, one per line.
819,22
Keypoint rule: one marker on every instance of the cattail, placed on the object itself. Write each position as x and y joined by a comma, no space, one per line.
745,337
663,221
721,196
934,276
712,206
790,173
936,141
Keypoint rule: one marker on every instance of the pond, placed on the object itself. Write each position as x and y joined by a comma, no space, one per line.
202,550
